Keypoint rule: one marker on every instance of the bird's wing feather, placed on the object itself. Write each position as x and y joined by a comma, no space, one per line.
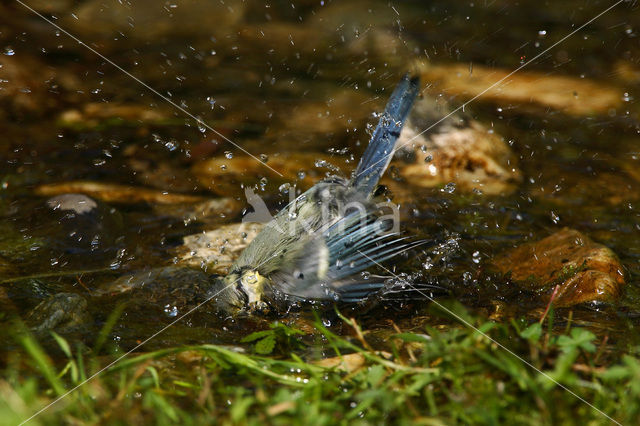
326,266
378,154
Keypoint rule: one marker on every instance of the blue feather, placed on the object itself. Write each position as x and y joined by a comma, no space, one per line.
378,154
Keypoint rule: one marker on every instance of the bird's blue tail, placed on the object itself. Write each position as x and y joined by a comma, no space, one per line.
378,154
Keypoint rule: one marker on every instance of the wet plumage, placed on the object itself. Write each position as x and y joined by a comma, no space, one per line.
317,246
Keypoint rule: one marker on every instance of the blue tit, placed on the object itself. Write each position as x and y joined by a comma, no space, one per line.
317,247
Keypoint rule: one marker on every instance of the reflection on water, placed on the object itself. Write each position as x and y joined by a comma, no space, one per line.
292,84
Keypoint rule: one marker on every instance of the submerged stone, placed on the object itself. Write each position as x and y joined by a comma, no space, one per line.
173,289
216,250
583,270
60,312
76,203
153,21
572,95
455,150
102,114
116,193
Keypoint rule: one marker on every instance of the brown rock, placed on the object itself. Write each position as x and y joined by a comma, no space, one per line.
455,149
116,193
152,20
217,250
95,114
471,157
585,271
569,94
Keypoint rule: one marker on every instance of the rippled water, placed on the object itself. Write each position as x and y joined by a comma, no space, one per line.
305,76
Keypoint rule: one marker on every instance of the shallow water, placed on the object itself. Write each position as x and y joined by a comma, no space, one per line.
306,77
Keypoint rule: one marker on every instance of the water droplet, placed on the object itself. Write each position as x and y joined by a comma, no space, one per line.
301,174
284,188
228,154
449,188
264,158
171,311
